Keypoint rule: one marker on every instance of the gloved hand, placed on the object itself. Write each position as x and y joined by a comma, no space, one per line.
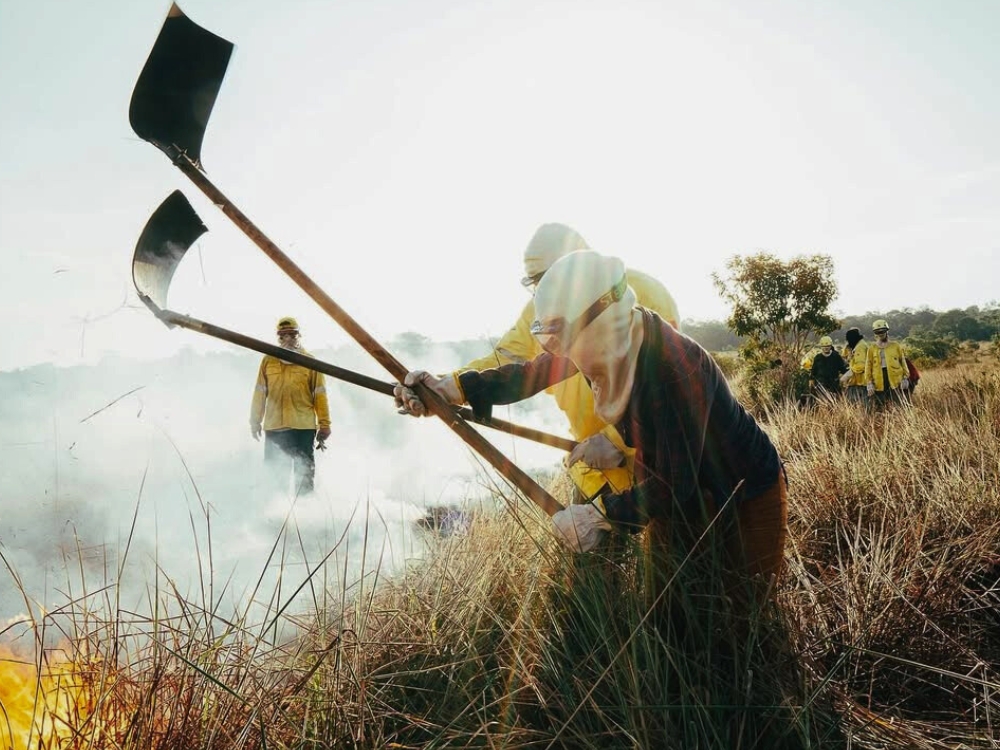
581,527
905,384
597,452
321,435
407,401
871,389
255,431
845,379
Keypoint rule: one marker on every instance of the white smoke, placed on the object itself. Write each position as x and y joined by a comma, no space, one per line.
85,450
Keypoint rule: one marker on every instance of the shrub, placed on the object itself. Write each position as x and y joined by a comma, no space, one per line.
927,348
729,362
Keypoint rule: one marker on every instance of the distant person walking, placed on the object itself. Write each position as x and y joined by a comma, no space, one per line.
603,464
289,401
856,355
827,367
886,373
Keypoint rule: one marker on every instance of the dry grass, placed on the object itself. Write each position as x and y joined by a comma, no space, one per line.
886,632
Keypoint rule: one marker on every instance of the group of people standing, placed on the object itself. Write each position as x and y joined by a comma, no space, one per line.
875,373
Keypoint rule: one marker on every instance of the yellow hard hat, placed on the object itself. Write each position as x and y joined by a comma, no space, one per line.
826,341
288,324
879,325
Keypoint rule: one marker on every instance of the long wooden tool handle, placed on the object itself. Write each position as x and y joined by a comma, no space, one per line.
349,376
437,405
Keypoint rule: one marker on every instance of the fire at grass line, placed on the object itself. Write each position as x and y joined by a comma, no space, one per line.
42,708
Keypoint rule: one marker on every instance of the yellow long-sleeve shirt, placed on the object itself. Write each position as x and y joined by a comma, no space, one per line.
289,397
895,363
573,396
856,360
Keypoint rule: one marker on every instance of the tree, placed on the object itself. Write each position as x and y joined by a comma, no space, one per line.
964,325
777,306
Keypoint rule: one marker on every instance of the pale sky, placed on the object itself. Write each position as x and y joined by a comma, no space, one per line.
402,153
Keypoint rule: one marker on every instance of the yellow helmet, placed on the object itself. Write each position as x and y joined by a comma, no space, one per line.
826,341
288,324
879,325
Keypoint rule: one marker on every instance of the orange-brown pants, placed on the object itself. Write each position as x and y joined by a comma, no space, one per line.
762,524
744,543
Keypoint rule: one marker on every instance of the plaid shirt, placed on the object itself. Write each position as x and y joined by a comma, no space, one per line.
692,437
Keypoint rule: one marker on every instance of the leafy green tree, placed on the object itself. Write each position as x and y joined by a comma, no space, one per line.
780,303
964,325
778,306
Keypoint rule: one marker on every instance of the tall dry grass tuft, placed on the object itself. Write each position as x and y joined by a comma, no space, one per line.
895,558
885,632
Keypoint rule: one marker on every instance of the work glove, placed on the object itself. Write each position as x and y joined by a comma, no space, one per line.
255,431
845,379
581,527
407,401
871,389
597,452
905,384
321,435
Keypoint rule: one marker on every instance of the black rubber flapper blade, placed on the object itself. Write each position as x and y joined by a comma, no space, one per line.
176,90
168,234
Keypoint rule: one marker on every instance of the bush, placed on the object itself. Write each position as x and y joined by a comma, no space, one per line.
766,383
729,362
926,348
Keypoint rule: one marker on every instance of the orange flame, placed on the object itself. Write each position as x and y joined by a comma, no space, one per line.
38,710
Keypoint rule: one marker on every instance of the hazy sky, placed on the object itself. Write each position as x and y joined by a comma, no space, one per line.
403,153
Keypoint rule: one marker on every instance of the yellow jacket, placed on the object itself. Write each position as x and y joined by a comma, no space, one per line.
289,397
807,360
573,395
895,363
857,360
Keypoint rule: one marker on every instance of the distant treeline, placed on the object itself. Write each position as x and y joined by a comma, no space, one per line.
971,324
714,335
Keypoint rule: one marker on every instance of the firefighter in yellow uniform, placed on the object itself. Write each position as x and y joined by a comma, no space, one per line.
290,402
886,373
856,355
602,463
